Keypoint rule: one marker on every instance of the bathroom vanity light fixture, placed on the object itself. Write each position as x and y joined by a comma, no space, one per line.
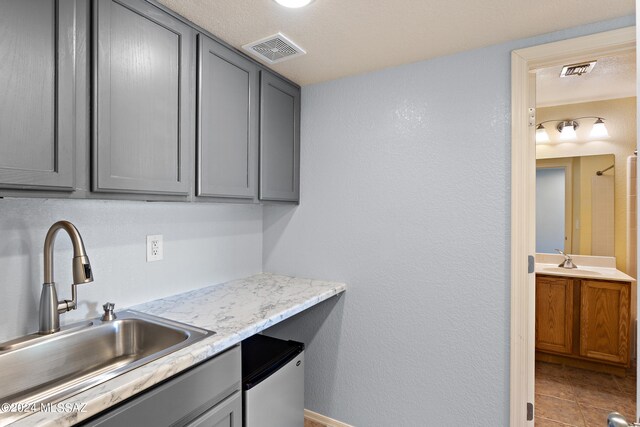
567,129
294,4
541,134
599,130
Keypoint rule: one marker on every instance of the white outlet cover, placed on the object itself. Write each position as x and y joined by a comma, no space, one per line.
154,247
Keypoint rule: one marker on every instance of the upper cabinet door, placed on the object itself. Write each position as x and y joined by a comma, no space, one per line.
143,63
228,122
37,88
279,139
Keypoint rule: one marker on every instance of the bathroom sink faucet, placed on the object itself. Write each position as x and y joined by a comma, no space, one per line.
568,261
50,307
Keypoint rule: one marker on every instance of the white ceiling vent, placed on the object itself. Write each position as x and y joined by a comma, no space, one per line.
577,69
274,49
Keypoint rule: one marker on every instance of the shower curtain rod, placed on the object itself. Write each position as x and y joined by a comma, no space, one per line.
599,173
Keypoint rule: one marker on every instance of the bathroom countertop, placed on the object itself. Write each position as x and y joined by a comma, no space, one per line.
235,310
584,272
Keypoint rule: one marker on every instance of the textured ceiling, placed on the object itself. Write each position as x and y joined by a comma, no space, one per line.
612,77
346,37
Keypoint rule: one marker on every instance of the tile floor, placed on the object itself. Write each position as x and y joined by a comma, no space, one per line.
572,397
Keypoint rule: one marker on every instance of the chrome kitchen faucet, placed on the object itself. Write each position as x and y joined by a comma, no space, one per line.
50,307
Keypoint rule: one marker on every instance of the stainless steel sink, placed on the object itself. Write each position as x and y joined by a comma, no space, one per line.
38,369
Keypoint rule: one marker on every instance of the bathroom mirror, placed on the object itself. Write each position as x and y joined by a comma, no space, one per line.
575,209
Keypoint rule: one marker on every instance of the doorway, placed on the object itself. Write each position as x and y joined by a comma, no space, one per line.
523,290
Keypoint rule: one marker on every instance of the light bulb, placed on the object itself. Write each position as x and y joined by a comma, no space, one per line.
541,134
599,130
568,131
294,4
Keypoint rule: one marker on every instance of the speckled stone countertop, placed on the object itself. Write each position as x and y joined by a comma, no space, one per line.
234,310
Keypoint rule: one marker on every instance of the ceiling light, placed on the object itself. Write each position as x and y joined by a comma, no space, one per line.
567,130
599,130
294,4
541,134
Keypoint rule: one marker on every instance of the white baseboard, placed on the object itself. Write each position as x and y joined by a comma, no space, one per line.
329,422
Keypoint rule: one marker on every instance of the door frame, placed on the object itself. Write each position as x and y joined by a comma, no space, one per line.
523,166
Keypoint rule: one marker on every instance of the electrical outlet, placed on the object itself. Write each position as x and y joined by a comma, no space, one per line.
154,247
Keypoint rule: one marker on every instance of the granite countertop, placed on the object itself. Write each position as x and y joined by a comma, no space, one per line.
234,310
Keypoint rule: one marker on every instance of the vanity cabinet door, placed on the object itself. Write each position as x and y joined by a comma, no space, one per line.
554,314
37,86
604,320
144,68
228,122
279,139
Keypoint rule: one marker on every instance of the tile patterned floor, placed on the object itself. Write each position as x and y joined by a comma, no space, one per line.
572,397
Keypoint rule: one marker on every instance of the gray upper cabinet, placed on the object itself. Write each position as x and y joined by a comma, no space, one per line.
279,139
227,122
143,123
37,79
169,118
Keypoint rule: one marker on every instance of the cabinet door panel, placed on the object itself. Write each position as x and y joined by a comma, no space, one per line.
227,138
279,139
554,314
184,398
141,131
604,321
37,88
227,413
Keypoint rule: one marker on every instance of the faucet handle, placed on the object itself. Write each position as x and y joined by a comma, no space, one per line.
108,312
568,261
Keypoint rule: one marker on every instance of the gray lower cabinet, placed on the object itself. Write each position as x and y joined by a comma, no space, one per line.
208,395
142,127
37,88
227,122
226,414
279,139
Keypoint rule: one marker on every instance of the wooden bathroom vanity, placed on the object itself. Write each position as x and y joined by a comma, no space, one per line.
584,322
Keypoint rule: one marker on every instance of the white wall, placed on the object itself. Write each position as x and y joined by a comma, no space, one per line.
405,196
204,244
